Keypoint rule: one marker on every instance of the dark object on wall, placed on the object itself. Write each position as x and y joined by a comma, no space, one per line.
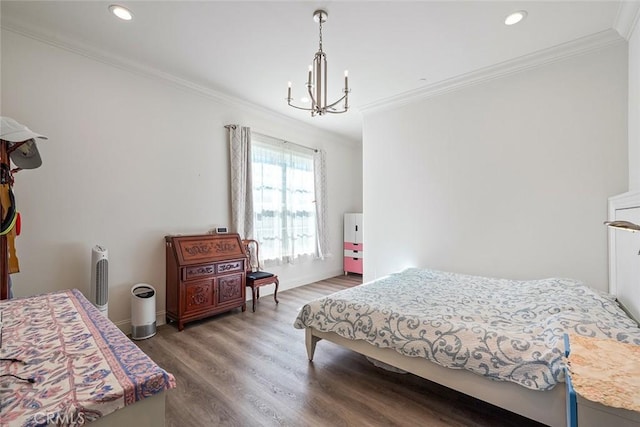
18,143
22,143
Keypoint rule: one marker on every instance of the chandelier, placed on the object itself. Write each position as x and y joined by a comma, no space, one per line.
317,80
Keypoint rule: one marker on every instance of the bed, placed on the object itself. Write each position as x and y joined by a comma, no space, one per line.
82,367
498,340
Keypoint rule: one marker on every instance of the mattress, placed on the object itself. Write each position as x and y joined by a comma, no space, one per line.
82,365
502,329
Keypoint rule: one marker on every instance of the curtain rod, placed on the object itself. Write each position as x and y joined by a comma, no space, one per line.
315,150
284,141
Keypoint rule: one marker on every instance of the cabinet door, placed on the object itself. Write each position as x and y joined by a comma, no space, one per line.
349,227
357,228
353,227
197,295
230,289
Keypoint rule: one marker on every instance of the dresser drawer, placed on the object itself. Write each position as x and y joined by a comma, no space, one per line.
227,267
353,246
353,265
352,254
197,271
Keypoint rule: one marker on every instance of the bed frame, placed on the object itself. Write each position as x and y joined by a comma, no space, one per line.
548,407
149,412
510,396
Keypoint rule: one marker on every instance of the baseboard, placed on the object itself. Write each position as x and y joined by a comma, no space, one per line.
299,281
161,319
125,325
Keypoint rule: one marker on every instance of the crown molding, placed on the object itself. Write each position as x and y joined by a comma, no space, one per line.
536,59
134,67
627,19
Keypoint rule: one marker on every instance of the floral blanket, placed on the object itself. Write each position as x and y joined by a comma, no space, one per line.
83,367
503,329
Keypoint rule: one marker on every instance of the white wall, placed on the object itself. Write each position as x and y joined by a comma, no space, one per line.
505,178
634,109
131,158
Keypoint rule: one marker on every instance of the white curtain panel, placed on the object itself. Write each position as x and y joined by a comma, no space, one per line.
283,202
320,177
241,186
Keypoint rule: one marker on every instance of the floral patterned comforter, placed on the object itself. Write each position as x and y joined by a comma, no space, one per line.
82,365
503,329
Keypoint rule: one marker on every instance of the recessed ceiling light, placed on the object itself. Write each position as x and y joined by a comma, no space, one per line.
121,12
515,17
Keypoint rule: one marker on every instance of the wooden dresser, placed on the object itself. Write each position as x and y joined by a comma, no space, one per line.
205,276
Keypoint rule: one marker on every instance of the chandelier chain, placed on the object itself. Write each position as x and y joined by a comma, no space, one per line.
320,33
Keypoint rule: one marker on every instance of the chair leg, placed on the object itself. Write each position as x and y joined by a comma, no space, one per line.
253,294
275,293
257,292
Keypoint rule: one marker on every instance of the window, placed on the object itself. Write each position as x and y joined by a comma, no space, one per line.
284,211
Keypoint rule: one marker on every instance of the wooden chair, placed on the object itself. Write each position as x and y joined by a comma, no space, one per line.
256,277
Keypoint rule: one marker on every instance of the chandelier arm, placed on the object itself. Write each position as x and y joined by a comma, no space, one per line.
299,108
315,108
338,112
343,97
313,99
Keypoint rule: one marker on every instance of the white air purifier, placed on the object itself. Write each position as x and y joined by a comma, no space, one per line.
100,279
143,311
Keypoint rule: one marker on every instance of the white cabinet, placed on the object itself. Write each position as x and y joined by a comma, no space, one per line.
624,252
353,249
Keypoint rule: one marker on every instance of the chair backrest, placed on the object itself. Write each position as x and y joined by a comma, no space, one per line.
251,248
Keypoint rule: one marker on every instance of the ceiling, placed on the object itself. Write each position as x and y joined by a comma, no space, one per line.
249,50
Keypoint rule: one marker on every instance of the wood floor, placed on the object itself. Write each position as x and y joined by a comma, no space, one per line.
251,369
